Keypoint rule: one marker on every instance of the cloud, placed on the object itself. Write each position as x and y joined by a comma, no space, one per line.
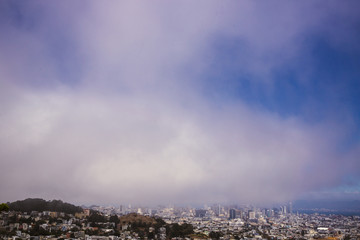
106,106
90,148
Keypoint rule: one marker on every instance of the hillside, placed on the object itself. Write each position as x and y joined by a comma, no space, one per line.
38,204
135,218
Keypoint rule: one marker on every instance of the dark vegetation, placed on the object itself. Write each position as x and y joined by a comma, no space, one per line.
96,217
4,207
37,204
176,230
215,235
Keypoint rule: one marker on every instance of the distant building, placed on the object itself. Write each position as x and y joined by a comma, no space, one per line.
121,209
252,215
232,213
162,233
284,210
139,211
216,209
87,212
200,213
270,212
239,214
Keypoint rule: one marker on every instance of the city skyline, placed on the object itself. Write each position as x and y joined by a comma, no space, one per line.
180,102
36,218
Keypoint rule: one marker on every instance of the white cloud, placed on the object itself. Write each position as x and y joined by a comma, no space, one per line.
134,128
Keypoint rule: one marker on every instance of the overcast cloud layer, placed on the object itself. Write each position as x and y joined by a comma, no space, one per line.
179,101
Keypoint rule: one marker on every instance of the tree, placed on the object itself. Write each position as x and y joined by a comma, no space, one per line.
215,235
176,230
115,219
37,204
96,217
4,207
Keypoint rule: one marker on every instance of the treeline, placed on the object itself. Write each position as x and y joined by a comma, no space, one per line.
175,230
38,204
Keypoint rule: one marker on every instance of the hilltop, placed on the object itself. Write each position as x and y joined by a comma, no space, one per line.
38,204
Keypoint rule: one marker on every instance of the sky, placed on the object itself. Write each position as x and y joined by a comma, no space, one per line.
179,102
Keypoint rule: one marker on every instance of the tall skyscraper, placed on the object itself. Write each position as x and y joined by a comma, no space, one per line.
290,208
121,209
232,213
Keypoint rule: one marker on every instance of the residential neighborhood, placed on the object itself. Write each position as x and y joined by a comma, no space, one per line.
215,222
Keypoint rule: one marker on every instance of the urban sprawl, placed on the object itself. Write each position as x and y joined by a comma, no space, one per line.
208,222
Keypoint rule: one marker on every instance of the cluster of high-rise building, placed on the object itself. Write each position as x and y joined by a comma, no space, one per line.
250,222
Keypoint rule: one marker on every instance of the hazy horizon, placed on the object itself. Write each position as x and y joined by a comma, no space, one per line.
180,102
347,207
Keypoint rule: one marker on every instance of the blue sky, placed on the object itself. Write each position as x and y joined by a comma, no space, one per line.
179,102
